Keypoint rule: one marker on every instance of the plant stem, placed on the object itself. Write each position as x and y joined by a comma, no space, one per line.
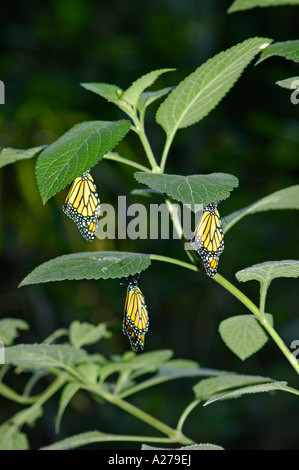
174,217
167,146
157,380
146,145
174,435
186,413
117,158
28,414
282,346
237,293
91,437
10,394
263,294
178,262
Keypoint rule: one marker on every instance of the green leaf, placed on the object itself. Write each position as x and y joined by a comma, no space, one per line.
206,446
243,334
213,386
145,192
166,372
180,364
149,361
28,415
89,370
287,49
89,265
287,198
9,155
78,150
178,368
110,92
9,329
149,97
38,356
268,387
68,392
201,91
291,83
239,5
84,333
138,365
132,94
56,334
266,272
192,190
12,439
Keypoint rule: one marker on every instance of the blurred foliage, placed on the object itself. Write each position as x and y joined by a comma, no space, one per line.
47,51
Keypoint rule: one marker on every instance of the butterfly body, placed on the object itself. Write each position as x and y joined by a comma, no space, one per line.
135,318
208,239
82,205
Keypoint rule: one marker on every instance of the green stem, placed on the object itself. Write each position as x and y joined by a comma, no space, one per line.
146,145
282,346
178,262
94,437
174,435
186,413
237,293
157,380
10,394
178,226
174,217
167,146
26,415
263,294
125,161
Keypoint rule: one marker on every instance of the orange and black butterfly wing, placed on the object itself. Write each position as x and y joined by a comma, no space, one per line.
82,205
135,319
211,264
208,239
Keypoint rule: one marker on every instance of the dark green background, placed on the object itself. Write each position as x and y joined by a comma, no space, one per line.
48,49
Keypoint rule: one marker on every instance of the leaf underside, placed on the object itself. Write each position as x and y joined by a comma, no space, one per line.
191,190
89,265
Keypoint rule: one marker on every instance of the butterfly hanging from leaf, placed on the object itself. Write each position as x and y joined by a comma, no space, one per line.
82,205
135,318
208,239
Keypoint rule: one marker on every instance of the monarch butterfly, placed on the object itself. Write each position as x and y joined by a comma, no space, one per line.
135,318
208,238
82,205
